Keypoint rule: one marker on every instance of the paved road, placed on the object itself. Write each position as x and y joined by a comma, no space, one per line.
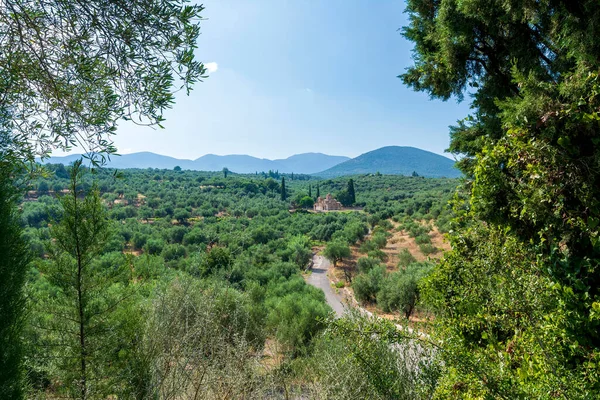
319,279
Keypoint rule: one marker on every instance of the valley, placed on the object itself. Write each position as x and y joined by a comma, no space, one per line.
235,243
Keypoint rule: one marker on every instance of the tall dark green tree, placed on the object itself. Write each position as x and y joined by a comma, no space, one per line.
518,298
310,191
478,46
283,191
14,259
318,191
225,172
351,193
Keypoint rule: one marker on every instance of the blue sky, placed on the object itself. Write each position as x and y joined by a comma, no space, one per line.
289,77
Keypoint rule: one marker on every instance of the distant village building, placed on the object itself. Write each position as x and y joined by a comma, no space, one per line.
327,204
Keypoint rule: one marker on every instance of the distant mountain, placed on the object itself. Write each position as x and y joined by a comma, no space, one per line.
395,160
307,163
310,163
144,159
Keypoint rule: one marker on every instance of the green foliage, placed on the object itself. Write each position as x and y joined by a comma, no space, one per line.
428,248
14,260
400,290
283,190
86,291
379,240
365,264
239,240
336,251
351,192
367,285
516,296
300,251
217,258
423,239
377,254
369,357
306,202
154,246
352,232
348,196
147,50
405,258
296,317
197,339
173,252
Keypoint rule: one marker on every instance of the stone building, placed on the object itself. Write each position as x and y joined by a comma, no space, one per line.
327,204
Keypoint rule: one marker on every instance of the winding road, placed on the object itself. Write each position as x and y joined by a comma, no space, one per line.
318,278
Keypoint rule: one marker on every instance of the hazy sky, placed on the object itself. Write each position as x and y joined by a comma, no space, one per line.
299,76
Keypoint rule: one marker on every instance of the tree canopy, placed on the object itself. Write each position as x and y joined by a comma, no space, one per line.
71,69
488,48
528,229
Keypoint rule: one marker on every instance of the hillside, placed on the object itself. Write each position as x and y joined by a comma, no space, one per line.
395,160
307,163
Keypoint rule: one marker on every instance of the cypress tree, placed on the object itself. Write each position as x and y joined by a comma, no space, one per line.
351,194
14,258
309,191
318,192
283,193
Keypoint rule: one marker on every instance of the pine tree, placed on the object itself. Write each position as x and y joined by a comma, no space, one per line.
351,194
84,298
14,259
283,192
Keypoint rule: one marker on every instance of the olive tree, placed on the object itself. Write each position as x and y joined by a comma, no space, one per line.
72,69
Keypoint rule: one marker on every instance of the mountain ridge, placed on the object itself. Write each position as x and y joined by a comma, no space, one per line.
304,163
395,160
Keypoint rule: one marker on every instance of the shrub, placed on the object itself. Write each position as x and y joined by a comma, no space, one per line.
428,249
378,254
154,246
173,252
400,290
405,258
423,239
306,202
336,251
379,240
139,240
367,246
367,285
365,264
